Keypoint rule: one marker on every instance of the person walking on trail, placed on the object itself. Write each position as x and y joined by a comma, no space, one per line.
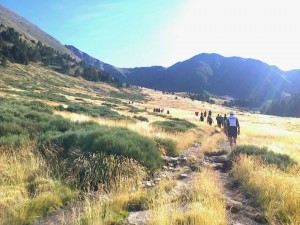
233,128
201,117
204,113
219,120
209,120
209,113
225,126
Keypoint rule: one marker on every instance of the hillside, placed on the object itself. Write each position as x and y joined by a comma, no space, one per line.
52,123
89,60
31,31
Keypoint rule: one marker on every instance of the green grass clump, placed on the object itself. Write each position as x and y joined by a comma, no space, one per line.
135,109
109,140
91,110
141,118
174,125
91,170
269,157
167,145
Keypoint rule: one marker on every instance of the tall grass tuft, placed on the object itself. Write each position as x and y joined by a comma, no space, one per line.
277,191
280,160
27,190
202,204
167,146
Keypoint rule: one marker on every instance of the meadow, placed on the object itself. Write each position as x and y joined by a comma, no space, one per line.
67,142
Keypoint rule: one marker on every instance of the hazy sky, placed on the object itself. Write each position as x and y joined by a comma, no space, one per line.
130,33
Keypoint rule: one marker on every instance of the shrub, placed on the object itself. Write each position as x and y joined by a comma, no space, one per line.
167,145
91,110
174,125
111,141
141,118
280,160
88,171
135,109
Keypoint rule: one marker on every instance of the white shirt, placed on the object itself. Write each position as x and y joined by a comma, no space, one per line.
232,121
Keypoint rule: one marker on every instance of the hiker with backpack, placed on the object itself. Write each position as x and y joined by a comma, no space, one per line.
219,120
209,120
233,128
201,117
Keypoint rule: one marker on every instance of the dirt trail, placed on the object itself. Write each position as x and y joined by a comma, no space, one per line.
240,207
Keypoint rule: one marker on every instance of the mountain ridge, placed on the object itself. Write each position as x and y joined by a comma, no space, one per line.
237,77
30,30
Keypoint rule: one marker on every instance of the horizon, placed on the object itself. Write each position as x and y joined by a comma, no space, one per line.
127,35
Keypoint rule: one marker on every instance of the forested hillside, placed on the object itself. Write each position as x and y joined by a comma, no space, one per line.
288,106
15,48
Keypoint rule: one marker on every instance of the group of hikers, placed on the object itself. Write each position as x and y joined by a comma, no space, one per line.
160,110
230,124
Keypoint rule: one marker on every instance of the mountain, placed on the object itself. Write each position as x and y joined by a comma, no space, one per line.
232,76
89,60
204,73
30,31
218,75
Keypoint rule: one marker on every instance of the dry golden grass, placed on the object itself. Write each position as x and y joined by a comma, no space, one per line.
280,135
202,204
27,191
278,191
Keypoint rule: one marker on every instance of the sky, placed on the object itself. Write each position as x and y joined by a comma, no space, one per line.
135,33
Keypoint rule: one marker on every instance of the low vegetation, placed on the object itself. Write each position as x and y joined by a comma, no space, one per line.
276,191
92,110
167,146
282,161
202,204
174,125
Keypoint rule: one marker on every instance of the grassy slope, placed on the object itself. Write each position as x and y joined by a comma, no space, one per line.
278,134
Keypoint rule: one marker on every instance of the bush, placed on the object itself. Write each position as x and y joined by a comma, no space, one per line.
95,111
280,160
109,140
174,125
88,171
141,118
167,145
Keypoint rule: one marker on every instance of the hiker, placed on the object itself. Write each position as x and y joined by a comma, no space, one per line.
225,126
209,120
233,128
201,117
209,113
204,113
219,120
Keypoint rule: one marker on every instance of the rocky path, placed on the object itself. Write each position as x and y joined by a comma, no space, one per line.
240,207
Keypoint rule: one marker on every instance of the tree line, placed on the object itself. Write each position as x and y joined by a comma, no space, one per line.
16,49
287,106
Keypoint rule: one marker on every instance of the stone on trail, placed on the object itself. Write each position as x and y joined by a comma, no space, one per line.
183,176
